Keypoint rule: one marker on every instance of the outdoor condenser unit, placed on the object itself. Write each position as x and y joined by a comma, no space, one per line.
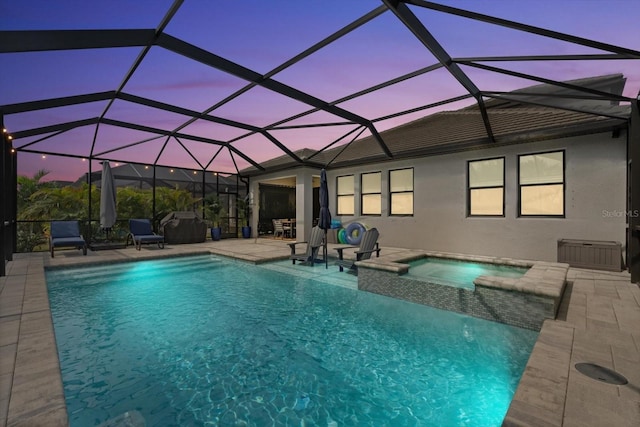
593,254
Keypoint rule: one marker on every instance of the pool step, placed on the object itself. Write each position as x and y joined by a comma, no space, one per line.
318,273
127,272
145,269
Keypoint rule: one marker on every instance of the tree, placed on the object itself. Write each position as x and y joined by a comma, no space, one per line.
32,234
60,203
212,209
28,186
173,199
134,202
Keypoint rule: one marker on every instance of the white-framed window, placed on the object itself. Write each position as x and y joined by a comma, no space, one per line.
371,187
401,192
346,195
541,184
485,187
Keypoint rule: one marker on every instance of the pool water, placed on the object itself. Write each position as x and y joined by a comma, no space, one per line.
458,273
204,341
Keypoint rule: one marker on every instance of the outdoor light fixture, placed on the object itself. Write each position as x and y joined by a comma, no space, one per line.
44,157
146,167
171,170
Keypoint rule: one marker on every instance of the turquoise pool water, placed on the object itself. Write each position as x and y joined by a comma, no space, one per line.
201,341
458,273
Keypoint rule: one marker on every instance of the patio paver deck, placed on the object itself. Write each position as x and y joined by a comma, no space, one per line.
598,323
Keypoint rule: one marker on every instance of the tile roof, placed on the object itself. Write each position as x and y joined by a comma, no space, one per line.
464,129
612,83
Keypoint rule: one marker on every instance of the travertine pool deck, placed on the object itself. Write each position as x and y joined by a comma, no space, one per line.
598,322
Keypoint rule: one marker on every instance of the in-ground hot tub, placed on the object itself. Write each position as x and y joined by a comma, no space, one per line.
458,273
522,300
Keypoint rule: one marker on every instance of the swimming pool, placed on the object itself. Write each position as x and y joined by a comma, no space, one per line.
205,341
458,273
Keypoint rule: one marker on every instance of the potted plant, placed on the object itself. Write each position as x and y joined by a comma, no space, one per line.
212,210
244,211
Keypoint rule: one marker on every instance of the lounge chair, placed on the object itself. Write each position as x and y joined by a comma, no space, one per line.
140,232
368,245
66,234
313,245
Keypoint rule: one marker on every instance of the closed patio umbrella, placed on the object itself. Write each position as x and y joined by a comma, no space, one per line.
107,199
324,222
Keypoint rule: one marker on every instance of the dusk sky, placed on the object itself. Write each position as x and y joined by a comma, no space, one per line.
261,35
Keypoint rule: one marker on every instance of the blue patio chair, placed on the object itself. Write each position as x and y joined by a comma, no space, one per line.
140,232
313,246
66,234
368,245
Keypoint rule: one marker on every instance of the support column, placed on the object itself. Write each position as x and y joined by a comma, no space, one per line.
89,234
14,205
633,233
8,188
304,203
4,229
153,197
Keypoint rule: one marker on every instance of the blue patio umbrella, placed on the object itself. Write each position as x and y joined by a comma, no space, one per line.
107,198
324,221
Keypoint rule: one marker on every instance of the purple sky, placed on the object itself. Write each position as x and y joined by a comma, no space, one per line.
261,35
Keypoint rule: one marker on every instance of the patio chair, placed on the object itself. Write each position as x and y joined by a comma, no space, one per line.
313,245
66,234
277,228
140,232
288,225
368,245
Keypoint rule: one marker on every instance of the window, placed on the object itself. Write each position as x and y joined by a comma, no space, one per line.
371,193
485,196
541,183
401,192
346,197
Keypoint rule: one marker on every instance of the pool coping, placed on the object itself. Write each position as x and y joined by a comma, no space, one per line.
597,322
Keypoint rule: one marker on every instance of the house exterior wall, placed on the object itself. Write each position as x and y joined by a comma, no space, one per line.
595,201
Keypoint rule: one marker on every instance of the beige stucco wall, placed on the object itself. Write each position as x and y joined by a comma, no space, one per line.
595,205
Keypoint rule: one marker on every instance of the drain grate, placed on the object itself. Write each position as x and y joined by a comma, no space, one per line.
601,373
